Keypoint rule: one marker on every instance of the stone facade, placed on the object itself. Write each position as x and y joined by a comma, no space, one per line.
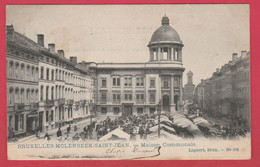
45,90
227,91
136,88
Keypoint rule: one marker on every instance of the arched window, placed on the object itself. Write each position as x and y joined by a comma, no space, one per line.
47,93
37,73
11,69
22,71
28,96
56,92
28,72
22,95
16,95
36,94
57,75
11,96
33,97
17,70
32,74
52,93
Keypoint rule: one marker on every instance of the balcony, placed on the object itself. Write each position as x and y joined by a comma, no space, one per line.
19,106
35,106
61,101
49,103
70,102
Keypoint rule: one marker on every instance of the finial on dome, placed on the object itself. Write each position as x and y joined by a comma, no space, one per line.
165,20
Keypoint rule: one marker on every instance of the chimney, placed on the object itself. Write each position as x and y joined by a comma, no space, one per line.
10,31
234,56
243,54
61,53
40,39
217,70
51,47
73,60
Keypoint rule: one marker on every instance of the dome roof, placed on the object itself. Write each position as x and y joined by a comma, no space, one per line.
165,33
190,73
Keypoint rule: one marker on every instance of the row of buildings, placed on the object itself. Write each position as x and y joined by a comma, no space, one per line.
227,91
45,90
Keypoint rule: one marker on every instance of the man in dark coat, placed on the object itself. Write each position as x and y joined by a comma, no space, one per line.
59,133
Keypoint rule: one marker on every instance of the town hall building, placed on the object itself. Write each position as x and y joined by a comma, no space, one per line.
137,88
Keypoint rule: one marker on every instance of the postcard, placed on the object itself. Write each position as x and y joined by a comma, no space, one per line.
128,82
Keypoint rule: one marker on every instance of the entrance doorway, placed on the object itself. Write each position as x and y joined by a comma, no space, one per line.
40,121
166,103
176,101
128,110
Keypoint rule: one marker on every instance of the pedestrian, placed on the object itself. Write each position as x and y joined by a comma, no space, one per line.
11,132
37,132
68,129
47,136
141,132
59,133
75,127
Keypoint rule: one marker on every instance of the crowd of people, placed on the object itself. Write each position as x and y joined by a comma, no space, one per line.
137,126
234,129
131,124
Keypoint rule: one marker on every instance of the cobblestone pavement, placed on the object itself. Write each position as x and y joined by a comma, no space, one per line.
53,133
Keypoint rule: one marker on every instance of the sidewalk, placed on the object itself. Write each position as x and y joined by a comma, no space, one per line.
53,131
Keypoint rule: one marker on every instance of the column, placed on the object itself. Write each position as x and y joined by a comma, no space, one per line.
169,54
157,54
181,93
180,55
173,53
151,54
172,90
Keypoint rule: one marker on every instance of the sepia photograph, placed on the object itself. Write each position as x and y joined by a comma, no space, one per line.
128,82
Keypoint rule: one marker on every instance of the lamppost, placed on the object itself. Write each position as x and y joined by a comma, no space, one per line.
91,108
159,115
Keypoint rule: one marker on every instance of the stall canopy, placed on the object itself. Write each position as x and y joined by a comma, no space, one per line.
116,134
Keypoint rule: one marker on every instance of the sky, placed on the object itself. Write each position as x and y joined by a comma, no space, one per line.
121,33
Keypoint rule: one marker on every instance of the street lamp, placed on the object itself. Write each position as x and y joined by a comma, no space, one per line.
159,115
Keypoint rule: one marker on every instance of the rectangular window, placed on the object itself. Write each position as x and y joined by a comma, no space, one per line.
152,97
139,81
103,97
116,98
165,83
16,121
140,98
21,121
176,82
47,74
128,81
152,83
116,110
116,81
59,112
103,110
104,83
140,111
152,110
42,72
52,75
128,97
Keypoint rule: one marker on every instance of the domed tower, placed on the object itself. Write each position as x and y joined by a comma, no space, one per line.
165,44
190,75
